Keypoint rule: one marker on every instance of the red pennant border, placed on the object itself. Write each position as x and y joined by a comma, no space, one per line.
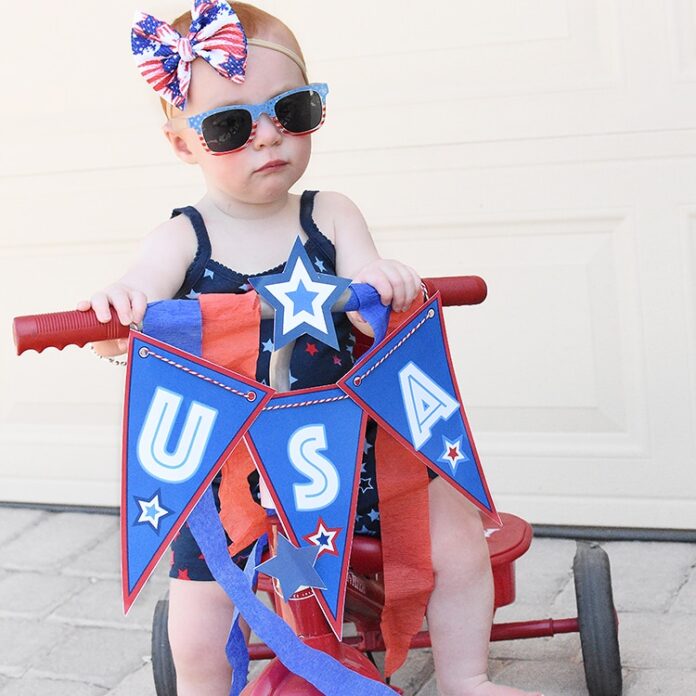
337,623
435,300
130,597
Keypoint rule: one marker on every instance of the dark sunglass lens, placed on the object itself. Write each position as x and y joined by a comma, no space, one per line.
227,130
300,112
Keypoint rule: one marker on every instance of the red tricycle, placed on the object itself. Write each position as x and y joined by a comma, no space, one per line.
596,620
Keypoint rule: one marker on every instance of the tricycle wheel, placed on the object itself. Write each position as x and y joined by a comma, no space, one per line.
597,620
162,662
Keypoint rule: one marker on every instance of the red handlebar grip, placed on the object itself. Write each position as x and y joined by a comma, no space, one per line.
458,290
60,329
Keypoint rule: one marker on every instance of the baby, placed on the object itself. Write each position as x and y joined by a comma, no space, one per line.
248,220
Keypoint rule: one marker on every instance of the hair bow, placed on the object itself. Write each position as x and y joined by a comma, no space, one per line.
164,56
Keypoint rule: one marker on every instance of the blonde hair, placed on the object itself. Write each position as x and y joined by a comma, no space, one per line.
256,23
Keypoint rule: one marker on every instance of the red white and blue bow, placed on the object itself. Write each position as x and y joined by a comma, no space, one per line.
164,56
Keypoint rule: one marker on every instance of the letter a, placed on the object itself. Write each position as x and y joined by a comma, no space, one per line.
152,443
425,401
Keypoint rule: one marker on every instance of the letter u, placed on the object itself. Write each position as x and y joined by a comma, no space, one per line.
183,462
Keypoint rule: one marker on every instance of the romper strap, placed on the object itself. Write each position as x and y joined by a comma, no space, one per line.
324,244
197,267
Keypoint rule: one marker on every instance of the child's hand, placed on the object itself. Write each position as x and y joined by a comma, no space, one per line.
397,284
130,305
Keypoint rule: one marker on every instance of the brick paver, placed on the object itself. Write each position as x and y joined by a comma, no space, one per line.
62,630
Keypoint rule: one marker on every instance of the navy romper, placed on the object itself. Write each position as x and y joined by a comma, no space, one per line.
313,364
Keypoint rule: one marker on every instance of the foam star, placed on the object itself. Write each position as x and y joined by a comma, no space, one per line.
452,453
302,299
324,537
151,510
293,567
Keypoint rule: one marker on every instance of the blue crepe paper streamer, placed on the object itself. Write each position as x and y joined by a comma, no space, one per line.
178,322
236,648
318,668
365,299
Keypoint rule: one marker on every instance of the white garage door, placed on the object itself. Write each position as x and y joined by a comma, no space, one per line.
548,146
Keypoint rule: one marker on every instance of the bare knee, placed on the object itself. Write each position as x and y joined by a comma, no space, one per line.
458,542
200,615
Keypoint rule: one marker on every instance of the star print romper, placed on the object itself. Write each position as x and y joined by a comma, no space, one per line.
313,364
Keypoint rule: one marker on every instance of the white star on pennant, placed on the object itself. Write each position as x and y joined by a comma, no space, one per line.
452,453
151,511
324,537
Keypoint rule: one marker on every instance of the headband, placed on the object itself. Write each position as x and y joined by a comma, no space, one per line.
164,56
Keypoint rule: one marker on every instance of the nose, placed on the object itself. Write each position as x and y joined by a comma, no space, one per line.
267,133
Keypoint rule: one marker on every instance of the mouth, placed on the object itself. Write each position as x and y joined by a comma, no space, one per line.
273,165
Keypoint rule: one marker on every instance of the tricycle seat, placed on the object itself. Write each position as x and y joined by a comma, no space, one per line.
505,545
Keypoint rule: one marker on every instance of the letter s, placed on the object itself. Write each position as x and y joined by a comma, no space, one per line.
324,482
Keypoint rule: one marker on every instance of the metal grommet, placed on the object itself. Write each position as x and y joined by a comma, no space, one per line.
431,313
143,352
357,381
251,396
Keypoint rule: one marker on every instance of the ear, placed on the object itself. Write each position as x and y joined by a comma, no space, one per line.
179,145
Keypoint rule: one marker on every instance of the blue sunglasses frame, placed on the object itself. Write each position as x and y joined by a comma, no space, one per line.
255,111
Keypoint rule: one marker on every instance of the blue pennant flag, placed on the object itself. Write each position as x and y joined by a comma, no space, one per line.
302,299
408,385
182,417
308,447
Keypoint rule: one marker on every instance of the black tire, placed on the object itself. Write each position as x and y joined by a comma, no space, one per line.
599,635
162,663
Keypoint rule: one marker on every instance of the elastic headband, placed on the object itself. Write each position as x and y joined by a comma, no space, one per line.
285,51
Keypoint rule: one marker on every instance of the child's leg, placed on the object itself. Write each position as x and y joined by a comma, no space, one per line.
460,611
200,616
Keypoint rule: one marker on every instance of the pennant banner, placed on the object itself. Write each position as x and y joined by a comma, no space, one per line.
182,417
408,385
308,446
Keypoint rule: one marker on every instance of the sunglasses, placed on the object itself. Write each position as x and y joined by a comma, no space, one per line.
230,128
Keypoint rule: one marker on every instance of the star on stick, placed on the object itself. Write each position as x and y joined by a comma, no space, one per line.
302,299
293,567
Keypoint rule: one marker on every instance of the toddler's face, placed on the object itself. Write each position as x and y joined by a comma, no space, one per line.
237,174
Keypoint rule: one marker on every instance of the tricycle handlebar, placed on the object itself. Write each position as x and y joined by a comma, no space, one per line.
60,329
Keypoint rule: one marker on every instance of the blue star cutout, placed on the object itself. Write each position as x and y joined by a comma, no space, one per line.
302,299
293,567
319,264
267,346
373,514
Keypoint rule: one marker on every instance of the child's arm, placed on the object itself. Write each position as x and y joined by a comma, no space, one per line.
157,274
357,258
